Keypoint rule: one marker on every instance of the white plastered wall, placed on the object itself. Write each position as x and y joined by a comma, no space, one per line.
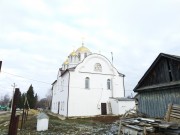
60,95
120,107
87,102
81,101
54,99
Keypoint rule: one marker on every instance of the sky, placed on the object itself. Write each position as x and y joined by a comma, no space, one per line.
36,36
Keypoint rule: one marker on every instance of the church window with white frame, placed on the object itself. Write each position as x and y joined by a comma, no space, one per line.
79,56
108,84
71,58
98,67
63,105
87,82
85,55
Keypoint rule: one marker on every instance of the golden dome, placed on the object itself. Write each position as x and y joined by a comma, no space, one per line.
73,53
82,49
66,62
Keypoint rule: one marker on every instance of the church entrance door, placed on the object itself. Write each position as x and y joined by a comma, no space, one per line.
103,109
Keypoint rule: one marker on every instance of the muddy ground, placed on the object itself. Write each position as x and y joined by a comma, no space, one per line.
100,125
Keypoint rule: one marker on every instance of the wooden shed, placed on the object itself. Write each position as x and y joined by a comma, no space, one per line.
121,105
159,86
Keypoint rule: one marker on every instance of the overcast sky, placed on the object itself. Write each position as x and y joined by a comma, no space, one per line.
36,36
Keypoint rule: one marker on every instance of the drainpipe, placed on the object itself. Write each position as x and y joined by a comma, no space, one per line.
112,88
68,93
123,85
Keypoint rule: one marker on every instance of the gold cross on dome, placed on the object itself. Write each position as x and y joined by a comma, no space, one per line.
82,40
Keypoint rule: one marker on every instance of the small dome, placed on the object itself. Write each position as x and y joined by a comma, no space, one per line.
73,53
66,62
82,49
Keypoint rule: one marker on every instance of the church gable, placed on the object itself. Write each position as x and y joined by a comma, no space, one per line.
97,64
165,69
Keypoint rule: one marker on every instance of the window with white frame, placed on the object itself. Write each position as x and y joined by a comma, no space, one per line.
108,84
71,58
85,55
87,82
62,85
79,56
63,105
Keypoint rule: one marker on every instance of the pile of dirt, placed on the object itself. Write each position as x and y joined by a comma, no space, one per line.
106,119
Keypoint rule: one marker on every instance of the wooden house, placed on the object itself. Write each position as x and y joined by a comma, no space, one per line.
159,86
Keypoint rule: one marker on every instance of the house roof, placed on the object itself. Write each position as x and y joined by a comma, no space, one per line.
123,99
69,69
164,85
174,57
54,82
121,74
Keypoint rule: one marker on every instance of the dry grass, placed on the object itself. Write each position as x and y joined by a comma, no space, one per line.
94,125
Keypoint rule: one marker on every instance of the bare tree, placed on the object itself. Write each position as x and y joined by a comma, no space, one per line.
5,100
49,98
42,103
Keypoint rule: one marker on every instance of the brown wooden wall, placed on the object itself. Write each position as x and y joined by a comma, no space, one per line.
154,103
175,68
166,70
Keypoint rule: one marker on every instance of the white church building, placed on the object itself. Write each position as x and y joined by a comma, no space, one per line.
87,84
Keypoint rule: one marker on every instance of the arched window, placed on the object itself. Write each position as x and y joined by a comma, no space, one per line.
98,67
71,58
108,84
79,56
85,55
87,83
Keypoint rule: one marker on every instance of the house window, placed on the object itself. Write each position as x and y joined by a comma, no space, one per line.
98,67
87,83
108,84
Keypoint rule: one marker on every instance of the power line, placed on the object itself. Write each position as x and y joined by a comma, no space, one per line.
3,87
50,83
26,78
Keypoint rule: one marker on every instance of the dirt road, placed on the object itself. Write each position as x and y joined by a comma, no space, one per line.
3,112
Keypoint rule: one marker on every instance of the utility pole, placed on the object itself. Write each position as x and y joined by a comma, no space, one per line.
14,86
